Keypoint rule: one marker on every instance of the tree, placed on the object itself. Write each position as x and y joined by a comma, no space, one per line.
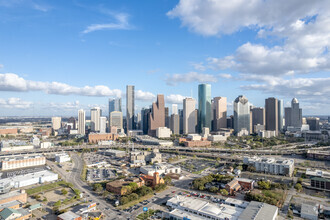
167,180
299,180
133,197
97,187
133,186
239,168
264,185
213,189
124,200
224,192
64,191
58,203
298,187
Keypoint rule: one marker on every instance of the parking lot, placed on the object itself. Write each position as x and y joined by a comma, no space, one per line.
196,165
100,174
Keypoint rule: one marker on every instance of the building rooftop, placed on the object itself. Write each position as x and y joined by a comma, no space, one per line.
258,211
68,216
43,173
309,209
14,158
11,194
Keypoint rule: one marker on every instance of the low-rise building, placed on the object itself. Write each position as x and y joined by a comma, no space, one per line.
153,180
197,143
163,132
309,212
96,137
161,168
15,145
69,215
142,157
318,154
148,140
16,162
5,131
114,153
266,134
118,186
320,183
15,195
17,214
271,165
61,158
217,138
46,145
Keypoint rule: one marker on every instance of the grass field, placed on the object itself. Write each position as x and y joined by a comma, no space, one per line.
46,187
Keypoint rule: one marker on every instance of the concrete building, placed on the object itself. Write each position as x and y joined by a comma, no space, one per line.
118,186
258,117
114,153
17,162
161,168
95,119
130,104
220,113
266,134
314,123
145,120
139,158
280,114
241,114
81,122
116,119
293,115
61,158
309,212
163,132
271,107
56,123
15,145
204,106
189,116
15,195
167,118
271,165
175,124
174,109
157,115
148,140
96,137
103,125
69,215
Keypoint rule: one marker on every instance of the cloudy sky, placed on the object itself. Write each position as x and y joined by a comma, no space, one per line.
59,56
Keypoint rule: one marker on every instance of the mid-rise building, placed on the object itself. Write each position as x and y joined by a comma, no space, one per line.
116,120
293,115
81,122
314,123
241,114
130,104
271,165
163,132
103,125
95,119
17,162
56,123
220,113
189,116
271,106
95,138
157,115
204,106
257,118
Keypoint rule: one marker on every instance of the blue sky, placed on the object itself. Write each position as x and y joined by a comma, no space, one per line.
51,50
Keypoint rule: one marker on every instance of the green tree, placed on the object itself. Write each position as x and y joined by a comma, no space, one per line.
213,189
97,187
124,200
298,187
167,180
133,197
224,192
64,191
58,203
299,180
133,186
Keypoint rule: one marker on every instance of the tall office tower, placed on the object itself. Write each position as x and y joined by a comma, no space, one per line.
314,123
180,111
72,120
175,124
130,102
56,123
116,120
103,125
115,105
138,121
280,114
145,120
220,113
293,115
157,115
189,116
241,115
81,122
174,109
95,118
271,108
258,117
230,122
204,106
167,118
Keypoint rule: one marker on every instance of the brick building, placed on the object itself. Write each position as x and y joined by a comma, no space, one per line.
95,137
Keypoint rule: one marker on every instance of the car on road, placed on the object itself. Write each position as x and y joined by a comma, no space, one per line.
173,191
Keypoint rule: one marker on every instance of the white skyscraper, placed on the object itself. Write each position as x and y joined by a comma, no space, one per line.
95,118
241,114
174,109
116,119
103,125
189,116
81,122
56,123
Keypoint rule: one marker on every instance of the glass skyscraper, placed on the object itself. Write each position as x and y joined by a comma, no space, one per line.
204,106
241,114
115,105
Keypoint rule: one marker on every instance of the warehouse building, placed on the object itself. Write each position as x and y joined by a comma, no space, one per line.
161,168
16,162
61,158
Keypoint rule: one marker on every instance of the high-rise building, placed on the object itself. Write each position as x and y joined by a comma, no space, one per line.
175,124
280,114
180,113
271,108
72,120
116,119
257,117
95,119
314,123
204,106
189,116
220,113
293,115
157,115
138,121
130,102
103,125
174,109
56,123
241,114
81,122
167,118
115,105
145,120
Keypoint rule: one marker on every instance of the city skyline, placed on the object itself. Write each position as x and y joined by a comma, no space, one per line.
67,56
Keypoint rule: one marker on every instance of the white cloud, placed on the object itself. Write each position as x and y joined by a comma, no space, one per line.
13,82
121,23
189,77
144,96
174,99
225,75
199,66
15,103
